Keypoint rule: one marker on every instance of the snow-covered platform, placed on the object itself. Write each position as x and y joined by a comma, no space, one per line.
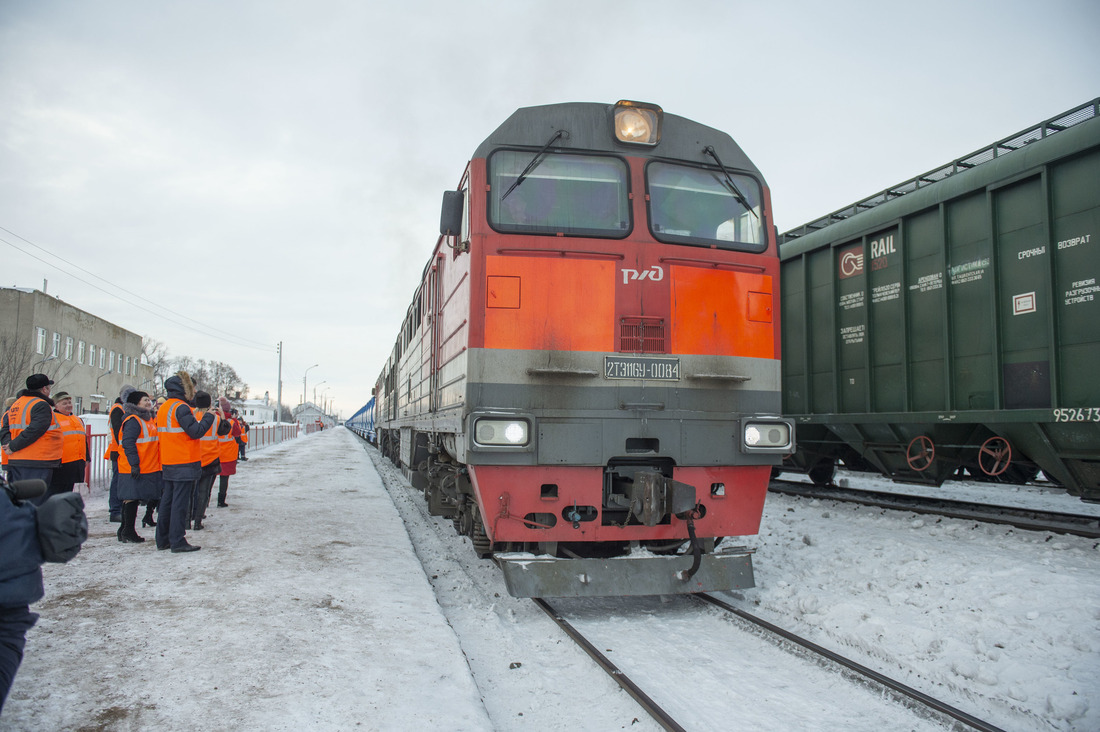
306,609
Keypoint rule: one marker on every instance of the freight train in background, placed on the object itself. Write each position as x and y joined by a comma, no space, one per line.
587,377
952,323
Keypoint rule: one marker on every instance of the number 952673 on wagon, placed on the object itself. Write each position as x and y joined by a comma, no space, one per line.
587,377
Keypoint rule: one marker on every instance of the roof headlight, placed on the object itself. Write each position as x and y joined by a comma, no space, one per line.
638,123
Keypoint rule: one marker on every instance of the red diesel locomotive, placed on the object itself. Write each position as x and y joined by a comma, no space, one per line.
587,379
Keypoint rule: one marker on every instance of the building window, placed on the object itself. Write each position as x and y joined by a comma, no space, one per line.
111,365
91,355
40,345
126,370
78,404
133,366
80,352
56,345
68,348
102,357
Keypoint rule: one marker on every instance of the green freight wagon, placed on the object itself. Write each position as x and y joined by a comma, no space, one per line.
953,322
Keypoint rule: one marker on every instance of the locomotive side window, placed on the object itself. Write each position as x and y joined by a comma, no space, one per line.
579,195
703,206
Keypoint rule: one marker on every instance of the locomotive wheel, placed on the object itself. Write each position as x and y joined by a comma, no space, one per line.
920,454
483,548
995,456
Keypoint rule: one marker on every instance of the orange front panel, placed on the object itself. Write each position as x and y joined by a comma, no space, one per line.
547,303
711,313
508,495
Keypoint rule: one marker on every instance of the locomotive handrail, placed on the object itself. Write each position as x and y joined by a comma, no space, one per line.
716,265
722,377
561,252
562,372
1062,122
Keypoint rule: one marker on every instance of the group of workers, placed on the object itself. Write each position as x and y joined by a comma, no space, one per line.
165,454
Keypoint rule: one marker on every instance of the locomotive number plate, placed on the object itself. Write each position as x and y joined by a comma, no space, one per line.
654,369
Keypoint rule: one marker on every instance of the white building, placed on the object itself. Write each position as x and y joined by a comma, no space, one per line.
310,413
255,411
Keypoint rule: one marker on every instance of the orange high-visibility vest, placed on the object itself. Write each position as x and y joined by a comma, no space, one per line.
176,446
209,449
148,448
47,447
112,443
74,444
228,445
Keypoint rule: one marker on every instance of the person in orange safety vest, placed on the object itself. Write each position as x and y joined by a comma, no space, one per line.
74,446
181,461
31,436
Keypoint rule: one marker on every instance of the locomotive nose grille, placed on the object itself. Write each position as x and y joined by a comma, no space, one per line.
642,335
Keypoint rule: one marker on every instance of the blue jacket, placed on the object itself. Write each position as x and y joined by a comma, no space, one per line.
20,554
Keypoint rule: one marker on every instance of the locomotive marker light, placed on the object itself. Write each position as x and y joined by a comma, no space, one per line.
638,123
501,432
767,436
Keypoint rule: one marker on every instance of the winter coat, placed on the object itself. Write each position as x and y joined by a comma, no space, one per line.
41,420
195,429
20,554
144,486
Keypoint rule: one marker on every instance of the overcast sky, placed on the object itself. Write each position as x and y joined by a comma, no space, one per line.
272,169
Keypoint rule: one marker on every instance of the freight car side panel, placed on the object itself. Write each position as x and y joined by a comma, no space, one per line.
1075,243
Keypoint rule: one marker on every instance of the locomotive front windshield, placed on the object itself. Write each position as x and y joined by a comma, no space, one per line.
704,206
579,195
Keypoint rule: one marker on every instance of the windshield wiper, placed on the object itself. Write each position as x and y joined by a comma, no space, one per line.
709,150
536,161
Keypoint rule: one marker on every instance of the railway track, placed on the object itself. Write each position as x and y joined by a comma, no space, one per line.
1020,518
952,715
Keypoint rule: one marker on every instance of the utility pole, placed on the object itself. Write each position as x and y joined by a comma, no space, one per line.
279,397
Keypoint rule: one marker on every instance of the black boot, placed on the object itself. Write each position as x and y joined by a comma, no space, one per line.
147,519
129,517
223,490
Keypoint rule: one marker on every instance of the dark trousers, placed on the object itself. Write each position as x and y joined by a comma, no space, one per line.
223,489
14,624
173,513
114,505
17,472
66,477
201,497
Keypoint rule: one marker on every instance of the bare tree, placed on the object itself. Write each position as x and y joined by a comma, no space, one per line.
215,377
154,353
14,366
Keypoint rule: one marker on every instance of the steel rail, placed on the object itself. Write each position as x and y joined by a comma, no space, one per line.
652,708
886,681
1020,518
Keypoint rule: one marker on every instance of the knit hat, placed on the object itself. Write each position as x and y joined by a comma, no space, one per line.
135,397
224,404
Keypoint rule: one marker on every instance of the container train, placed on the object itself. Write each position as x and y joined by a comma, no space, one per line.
587,379
950,323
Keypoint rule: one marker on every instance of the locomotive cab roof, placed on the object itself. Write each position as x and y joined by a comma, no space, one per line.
591,126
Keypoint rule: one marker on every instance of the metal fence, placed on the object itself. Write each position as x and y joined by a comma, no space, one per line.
98,472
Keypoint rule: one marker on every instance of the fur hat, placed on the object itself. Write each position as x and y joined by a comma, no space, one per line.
188,385
135,397
202,400
125,392
38,381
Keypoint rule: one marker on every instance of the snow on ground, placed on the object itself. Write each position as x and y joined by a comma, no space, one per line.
308,608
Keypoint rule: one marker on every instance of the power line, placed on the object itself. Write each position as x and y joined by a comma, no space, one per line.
236,340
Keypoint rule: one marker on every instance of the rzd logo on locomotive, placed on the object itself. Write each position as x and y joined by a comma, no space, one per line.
654,273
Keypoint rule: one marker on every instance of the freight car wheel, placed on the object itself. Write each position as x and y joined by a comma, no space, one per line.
822,472
920,454
995,456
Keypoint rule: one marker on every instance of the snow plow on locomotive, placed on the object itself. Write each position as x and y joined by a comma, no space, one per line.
587,378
